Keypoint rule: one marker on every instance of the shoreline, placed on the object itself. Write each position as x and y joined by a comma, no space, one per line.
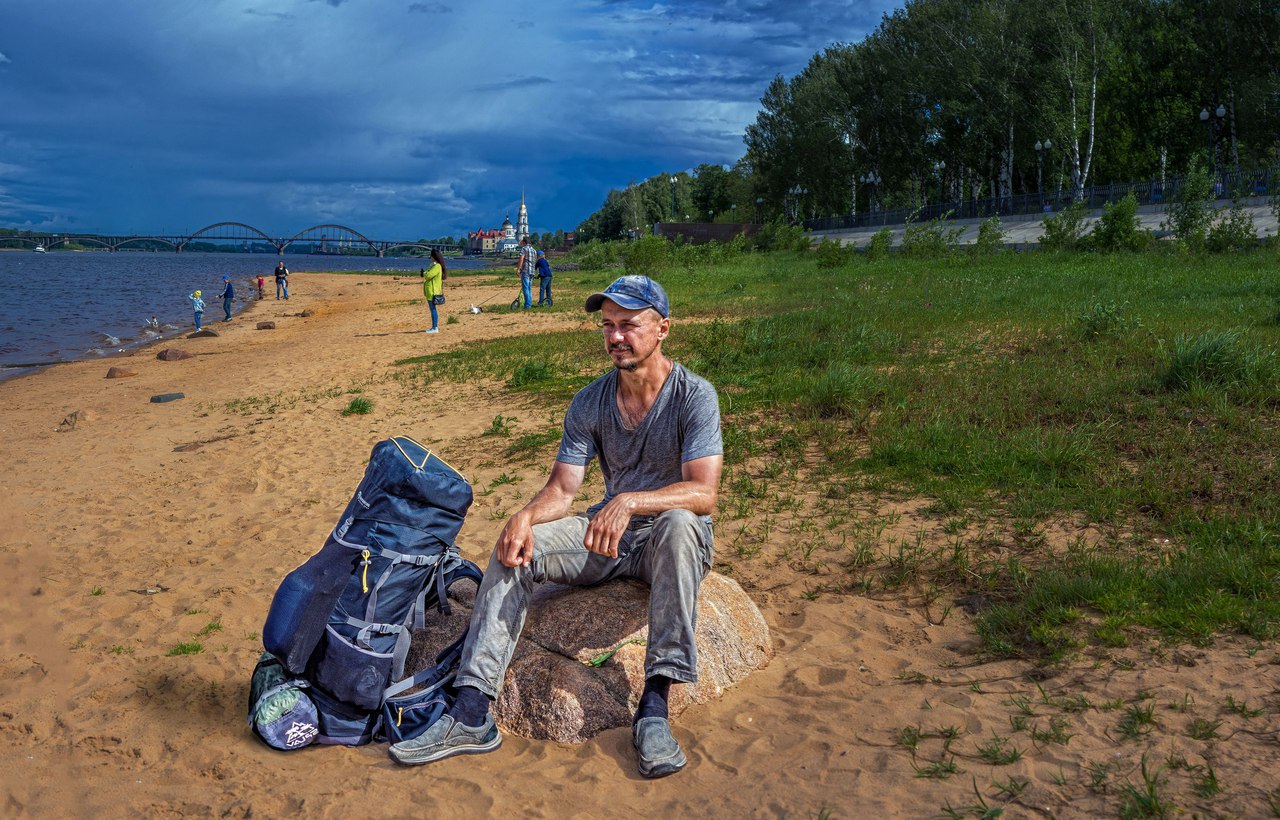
28,368
75,306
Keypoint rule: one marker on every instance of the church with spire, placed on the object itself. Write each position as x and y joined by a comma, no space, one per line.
501,240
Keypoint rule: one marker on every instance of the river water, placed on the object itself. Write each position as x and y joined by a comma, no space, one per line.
66,305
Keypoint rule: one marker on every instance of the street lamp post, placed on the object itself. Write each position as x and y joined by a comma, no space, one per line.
1212,124
673,198
942,183
873,179
733,213
1041,147
797,193
759,202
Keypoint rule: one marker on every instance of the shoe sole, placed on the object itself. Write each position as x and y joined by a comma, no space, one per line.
416,759
663,768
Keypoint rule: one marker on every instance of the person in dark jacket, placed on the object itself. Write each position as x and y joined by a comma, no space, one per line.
544,280
282,281
228,293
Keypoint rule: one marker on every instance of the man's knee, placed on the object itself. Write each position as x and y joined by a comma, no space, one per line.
681,533
678,520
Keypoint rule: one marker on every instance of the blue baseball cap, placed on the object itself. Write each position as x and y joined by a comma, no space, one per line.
632,293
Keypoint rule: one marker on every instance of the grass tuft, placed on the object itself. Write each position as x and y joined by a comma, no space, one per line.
358,406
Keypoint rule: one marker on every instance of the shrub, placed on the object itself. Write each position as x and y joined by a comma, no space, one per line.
834,254
932,239
990,237
835,393
1119,229
1063,230
881,242
646,256
1234,231
1101,319
530,372
1216,359
778,236
1190,215
595,255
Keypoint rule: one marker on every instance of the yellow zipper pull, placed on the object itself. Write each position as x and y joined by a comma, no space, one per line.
364,576
399,714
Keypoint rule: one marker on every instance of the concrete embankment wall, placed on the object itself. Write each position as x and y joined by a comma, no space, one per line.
1026,229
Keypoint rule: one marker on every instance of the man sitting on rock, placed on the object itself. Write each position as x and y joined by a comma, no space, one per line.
656,429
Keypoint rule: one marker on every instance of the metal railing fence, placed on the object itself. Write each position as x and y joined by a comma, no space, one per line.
1259,182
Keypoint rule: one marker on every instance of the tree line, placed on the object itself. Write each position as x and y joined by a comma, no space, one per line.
955,100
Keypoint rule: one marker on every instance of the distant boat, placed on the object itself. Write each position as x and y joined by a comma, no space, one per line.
40,249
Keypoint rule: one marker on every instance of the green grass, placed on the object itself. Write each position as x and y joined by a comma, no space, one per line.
358,406
186,648
1133,392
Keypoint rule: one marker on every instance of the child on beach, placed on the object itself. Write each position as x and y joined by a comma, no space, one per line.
198,304
262,293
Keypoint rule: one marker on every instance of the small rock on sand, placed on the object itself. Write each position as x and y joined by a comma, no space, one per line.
266,325
120,373
172,354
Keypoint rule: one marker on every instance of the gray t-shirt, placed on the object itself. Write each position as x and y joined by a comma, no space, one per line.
682,425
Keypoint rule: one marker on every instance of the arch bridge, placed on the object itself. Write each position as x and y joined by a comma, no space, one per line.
328,239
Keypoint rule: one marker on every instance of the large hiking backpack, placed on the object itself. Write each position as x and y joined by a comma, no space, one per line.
342,621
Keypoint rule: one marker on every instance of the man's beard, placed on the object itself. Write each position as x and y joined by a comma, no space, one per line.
629,366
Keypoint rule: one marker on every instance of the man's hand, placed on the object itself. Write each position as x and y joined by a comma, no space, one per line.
606,529
515,543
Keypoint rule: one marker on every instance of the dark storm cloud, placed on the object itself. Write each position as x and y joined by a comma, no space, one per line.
123,117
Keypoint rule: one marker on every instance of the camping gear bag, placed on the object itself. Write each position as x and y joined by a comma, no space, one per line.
280,712
342,621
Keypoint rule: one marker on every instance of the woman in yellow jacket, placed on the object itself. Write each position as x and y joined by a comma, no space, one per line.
433,287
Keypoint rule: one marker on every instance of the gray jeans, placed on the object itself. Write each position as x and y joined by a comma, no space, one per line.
672,553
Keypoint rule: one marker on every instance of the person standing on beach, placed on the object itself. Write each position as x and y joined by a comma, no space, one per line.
544,280
526,266
228,293
262,291
282,281
198,304
655,428
433,286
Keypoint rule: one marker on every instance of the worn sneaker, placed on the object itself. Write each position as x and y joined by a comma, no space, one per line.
431,330
658,754
446,738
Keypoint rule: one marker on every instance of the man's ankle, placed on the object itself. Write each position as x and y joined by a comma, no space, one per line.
653,700
470,707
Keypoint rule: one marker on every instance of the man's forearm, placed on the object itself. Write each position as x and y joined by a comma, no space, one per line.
549,504
694,496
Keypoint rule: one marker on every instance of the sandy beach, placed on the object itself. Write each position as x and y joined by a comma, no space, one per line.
145,526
